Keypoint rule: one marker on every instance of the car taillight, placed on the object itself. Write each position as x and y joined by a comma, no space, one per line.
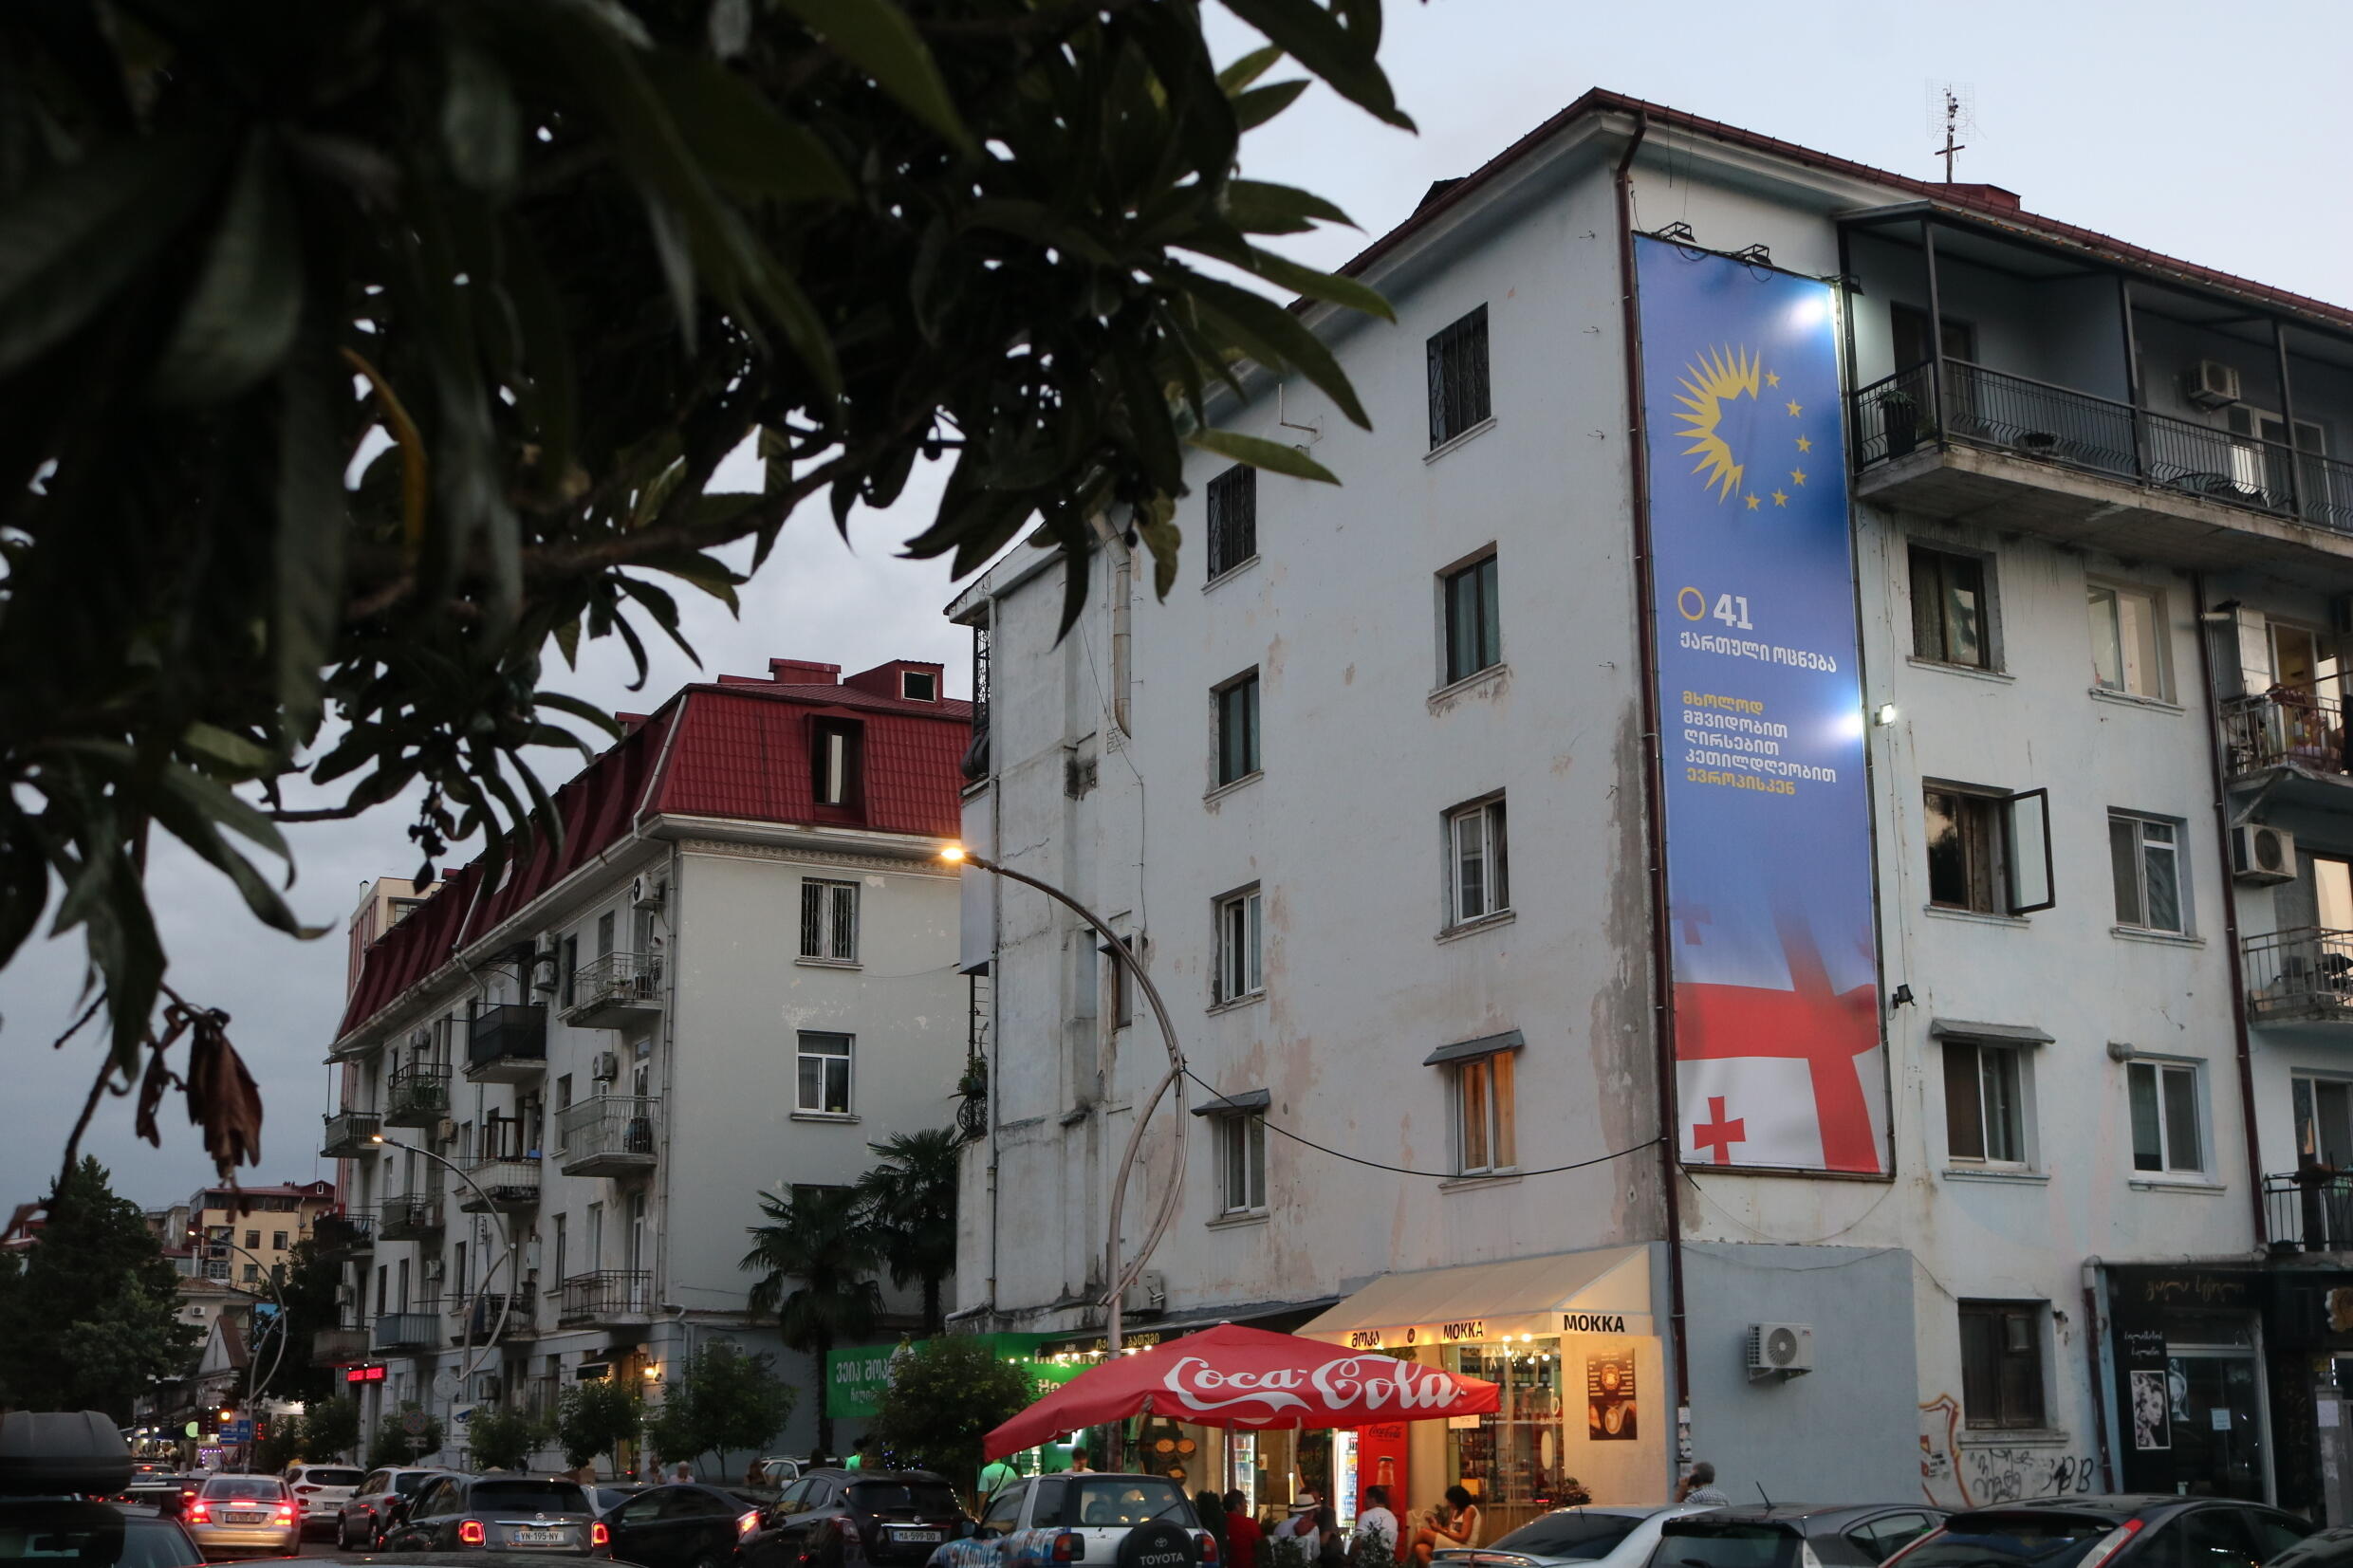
198,1513
470,1532
746,1522
1209,1547
1070,1546
2114,1541
598,1535
285,1513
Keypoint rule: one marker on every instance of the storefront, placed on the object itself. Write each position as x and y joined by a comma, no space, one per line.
1568,1338
856,1377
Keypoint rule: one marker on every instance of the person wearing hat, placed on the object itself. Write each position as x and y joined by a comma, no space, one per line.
1300,1525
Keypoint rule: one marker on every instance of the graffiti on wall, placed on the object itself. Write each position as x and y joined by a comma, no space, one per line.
1967,1475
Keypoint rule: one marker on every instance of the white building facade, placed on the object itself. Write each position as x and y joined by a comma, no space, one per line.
1391,796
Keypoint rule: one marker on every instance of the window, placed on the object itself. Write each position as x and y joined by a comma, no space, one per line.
253,1241
2164,1117
1909,328
561,1239
1477,879
2323,1109
1949,609
1458,396
1120,984
1237,728
1238,942
825,1074
1233,519
2002,1363
604,935
830,921
277,1241
1483,1133
253,1273
1989,851
1474,621
1984,1106
563,1094
834,762
1242,1163
2128,652
918,686
217,1270
567,972
2146,855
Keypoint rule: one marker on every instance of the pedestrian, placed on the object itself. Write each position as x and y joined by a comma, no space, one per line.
1375,1527
994,1477
680,1473
1301,1526
756,1473
857,1454
1210,1510
1078,1462
1242,1533
1325,1543
1699,1488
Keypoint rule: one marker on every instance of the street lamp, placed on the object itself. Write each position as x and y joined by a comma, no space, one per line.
1118,1281
506,1242
252,1367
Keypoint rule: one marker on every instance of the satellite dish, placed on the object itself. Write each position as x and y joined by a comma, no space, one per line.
445,1384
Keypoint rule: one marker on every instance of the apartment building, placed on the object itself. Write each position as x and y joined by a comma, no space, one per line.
1772,861
242,1236
569,1078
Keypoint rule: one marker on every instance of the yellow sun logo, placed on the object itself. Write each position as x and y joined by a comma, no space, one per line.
1714,379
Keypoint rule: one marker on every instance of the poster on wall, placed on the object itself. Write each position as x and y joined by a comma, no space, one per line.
2151,1412
1610,1415
1779,1061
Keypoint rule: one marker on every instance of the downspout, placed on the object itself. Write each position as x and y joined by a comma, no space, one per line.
2229,914
2102,1381
1654,784
996,950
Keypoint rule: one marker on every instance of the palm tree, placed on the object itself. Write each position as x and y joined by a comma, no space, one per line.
911,1205
821,1239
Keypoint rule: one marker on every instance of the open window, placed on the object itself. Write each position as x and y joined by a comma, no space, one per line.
1989,850
836,762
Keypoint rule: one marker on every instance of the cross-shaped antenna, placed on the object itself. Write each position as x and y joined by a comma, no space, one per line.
1953,110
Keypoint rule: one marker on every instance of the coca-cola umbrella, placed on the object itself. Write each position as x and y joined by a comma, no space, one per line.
1235,1377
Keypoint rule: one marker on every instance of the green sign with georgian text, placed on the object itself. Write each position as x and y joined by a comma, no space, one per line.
855,1378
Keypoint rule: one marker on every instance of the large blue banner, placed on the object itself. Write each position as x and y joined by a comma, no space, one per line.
1769,904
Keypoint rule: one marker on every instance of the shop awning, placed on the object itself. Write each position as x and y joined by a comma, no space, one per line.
1605,1290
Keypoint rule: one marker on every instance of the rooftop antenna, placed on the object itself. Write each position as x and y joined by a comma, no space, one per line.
1953,112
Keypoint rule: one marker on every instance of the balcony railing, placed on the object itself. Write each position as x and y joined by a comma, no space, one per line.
507,1184
410,1217
348,1134
2302,972
614,991
420,1328
337,1347
2054,424
345,1235
607,1136
2309,1211
473,1317
2288,725
418,1095
507,1042
610,1295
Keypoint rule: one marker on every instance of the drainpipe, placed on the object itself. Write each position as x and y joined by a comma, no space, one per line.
1654,787
2102,1384
2230,914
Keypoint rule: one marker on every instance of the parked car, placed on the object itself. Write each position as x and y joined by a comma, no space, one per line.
605,1496
44,1456
323,1490
359,1523
686,1525
507,1513
1594,1538
1096,1516
1796,1536
2122,1531
885,1517
781,1470
245,1516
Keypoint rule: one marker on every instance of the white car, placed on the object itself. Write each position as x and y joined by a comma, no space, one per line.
1573,1537
321,1490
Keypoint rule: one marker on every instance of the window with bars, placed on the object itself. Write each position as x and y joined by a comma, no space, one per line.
825,1073
1478,880
830,921
1233,519
1238,943
1458,395
2002,1363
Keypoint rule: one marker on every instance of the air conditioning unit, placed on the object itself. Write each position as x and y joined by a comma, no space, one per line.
2261,855
2213,384
647,892
432,1268
420,1040
606,1067
446,1130
1780,1350
546,964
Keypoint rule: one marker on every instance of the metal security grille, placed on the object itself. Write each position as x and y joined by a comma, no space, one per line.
1458,397
1233,519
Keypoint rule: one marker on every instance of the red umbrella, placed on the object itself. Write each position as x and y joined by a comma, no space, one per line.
1234,1376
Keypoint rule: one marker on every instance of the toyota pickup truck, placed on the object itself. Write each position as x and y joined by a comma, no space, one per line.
1088,1516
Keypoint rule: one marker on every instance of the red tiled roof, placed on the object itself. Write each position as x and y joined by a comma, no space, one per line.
741,752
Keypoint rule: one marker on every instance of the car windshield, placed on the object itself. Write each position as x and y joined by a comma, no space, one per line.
320,1476
246,1487
1728,1545
902,1497
99,1538
2011,1540
1110,1502
539,1497
1570,1533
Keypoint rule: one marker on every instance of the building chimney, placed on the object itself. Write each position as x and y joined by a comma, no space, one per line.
798,672
1986,195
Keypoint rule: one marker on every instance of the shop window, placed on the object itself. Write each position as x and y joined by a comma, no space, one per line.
2127,641
1508,1458
2164,1117
1949,608
1484,1136
2002,1364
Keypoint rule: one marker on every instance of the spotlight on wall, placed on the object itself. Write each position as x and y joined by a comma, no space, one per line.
1885,714
1755,255
1903,998
1675,233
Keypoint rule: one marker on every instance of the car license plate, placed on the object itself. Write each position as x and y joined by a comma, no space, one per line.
916,1535
243,1519
539,1537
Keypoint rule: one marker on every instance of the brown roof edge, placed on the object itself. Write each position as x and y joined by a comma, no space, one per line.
1990,201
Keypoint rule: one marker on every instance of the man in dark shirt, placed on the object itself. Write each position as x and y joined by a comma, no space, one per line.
1242,1532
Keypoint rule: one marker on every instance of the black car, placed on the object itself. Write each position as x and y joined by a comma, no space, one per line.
53,1467
686,1525
894,1519
1796,1535
522,1513
2127,1531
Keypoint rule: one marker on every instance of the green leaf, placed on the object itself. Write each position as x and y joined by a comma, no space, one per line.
876,36
1254,108
743,144
1328,286
1271,455
1239,75
189,816
705,572
235,754
222,805
481,124
306,609
1342,56
1274,336
1259,207
238,323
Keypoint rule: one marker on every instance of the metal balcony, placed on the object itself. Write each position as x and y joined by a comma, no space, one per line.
2098,474
505,1185
473,1317
345,1236
2304,974
608,1135
2309,1211
348,1134
410,1217
418,1095
615,990
417,1329
507,1042
2294,728
338,1347
610,1297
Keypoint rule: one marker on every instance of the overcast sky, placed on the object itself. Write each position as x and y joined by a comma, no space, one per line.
2188,128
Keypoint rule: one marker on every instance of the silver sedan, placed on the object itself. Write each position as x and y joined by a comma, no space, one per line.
245,1516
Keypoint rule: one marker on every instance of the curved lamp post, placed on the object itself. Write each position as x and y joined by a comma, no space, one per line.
252,1367
506,1242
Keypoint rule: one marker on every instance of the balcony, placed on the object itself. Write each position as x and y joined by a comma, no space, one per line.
419,1329
348,1134
410,1217
2095,474
338,1347
2309,1211
610,1297
474,1318
507,1042
418,1095
505,1185
2295,736
2304,975
608,1135
345,1236
614,992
